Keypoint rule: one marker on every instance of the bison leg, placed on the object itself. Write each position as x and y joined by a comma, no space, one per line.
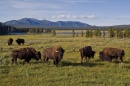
121,59
44,59
87,59
82,59
55,62
47,59
12,61
15,60
25,61
110,60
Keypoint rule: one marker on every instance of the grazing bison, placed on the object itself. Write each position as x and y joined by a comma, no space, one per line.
19,41
110,53
25,53
10,41
55,53
86,52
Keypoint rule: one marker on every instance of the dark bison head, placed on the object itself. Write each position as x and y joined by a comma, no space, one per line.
103,57
93,53
38,55
122,53
60,53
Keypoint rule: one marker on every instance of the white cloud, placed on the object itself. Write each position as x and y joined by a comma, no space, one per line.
74,17
123,17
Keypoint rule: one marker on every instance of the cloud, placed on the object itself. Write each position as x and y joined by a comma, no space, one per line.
123,17
73,17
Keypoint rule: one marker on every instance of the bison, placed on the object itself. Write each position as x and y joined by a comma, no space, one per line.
55,53
86,52
10,41
26,54
109,53
19,41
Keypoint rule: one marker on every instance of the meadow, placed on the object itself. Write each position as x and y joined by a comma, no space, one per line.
70,71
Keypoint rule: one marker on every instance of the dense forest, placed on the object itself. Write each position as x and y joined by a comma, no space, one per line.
4,29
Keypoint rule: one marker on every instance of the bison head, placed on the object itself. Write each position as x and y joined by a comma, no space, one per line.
93,53
60,53
101,55
38,55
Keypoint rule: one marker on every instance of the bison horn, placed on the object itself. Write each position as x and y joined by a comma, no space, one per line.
56,51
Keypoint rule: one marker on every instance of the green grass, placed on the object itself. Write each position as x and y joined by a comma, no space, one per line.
70,71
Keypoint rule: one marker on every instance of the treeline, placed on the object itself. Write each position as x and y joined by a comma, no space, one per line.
111,32
91,31
4,29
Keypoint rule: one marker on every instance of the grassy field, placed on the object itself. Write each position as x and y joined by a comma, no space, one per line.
70,71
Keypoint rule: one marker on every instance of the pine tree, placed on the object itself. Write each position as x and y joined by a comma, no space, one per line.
73,33
98,33
111,32
117,33
103,34
90,33
53,32
82,34
87,33
126,33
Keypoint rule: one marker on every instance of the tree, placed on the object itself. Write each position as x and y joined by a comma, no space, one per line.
87,33
103,34
73,33
90,33
82,34
126,33
99,33
96,33
119,33
53,32
111,32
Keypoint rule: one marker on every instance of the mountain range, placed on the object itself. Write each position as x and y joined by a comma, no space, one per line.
31,22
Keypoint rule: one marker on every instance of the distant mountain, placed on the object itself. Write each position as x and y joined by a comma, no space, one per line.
31,22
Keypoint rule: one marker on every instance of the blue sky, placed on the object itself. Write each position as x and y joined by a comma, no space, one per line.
93,12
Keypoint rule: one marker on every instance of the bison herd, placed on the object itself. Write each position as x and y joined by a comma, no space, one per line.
19,41
56,53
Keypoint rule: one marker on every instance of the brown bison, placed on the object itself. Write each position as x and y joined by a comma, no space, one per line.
86,52
19,41
55,53
25,53
110,53
10,41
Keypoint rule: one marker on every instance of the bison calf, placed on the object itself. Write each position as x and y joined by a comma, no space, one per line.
55,53
10,41
110,53
26,54
86,52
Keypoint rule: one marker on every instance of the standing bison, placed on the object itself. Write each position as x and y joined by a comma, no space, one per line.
19,41
86,52
25,53
110,53
55,53
10,41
